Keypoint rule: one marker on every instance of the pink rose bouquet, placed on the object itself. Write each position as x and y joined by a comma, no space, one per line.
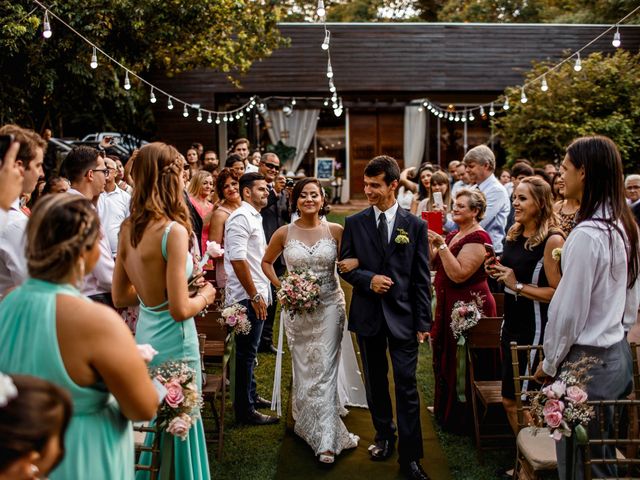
562,406
235,317
464,316
299,292
182,403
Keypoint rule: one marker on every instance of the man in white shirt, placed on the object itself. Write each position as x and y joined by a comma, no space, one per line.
245,244
30,159
113,206
463,180
11,181
87,172
481,164
600,265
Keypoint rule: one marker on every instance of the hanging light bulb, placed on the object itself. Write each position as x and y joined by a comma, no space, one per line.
94,59
152,96
544,87
492,112
340,104
217,119
523,96
441,114
326,102
127,83
238,116
46,25
199,117
482,114
337,112
616,38
293,101
327,37
505,106
471,117
464,117
185,111
225,118
321,10
170,104
329,69
209,119
578,66
287,110
421,109
451,117
332,87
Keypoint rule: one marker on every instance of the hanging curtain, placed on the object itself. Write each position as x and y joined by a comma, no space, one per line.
415,132
296,131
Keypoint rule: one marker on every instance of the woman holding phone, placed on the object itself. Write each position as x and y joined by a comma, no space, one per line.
460,276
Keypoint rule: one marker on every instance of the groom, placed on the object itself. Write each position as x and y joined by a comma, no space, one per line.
390,309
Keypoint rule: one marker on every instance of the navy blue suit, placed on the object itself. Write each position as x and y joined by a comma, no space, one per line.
390,321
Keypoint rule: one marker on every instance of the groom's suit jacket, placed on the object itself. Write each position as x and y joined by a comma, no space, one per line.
406,307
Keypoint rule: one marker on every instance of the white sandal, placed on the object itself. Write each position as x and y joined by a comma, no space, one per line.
327,458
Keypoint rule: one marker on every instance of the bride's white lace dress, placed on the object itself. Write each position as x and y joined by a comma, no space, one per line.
315,343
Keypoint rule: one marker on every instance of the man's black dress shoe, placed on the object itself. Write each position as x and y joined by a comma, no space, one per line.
413,471
257,418
382,449
260,402
268,348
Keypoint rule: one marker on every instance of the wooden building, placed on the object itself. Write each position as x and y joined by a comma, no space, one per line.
380,68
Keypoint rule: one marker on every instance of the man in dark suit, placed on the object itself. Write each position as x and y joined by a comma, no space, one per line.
390,310
272,219
632,192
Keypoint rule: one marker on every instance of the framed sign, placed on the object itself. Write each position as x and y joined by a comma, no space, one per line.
324,168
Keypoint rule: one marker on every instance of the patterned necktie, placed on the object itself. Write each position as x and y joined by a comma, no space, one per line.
383,230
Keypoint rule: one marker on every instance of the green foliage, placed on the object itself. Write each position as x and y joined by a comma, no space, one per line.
603,98
48,81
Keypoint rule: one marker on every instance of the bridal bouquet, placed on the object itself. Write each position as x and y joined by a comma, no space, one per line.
299,292
562,406
235,317
182,403
464,316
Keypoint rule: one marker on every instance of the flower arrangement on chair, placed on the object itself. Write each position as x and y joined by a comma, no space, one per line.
464,316
235,317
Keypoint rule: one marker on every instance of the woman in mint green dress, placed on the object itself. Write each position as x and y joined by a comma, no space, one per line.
50,330
152,268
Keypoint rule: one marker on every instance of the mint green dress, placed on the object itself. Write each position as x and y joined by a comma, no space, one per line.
176,341
99,440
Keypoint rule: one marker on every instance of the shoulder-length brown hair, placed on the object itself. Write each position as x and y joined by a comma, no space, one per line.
547,221
158,191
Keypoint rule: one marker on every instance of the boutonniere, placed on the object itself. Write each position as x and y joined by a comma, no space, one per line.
556,254
402,237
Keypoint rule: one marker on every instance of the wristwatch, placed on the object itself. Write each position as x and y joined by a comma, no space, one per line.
256,298
442,246
519,288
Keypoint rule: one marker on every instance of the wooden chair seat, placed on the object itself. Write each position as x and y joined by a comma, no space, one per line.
537,446
489,391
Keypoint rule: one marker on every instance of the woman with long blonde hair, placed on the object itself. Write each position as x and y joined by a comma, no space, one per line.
152,268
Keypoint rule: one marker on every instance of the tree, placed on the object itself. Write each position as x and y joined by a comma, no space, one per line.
602,99
49,82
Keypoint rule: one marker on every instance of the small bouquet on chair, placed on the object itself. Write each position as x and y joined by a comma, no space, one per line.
182,403
299,292
465,315
562,406
235,317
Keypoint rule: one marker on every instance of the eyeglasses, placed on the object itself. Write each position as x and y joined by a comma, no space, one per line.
105,171
271,166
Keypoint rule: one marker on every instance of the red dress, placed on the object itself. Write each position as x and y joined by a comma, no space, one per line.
452,414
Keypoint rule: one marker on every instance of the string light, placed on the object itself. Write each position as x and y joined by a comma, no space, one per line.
329,69
46,25
94,59
464,117
293,101
492,112
616,38
544,87
152,96
523,96
209,119
225,118
169,104
199,117
326,102
332,87
506,103
217,119
327,37
471,117
185,111
320,10
127,83
578,66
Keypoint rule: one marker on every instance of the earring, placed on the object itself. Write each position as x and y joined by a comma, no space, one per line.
80,279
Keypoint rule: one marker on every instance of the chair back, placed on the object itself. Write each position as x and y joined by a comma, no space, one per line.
635,355
613,455
216,333
486,334
531,355
499,298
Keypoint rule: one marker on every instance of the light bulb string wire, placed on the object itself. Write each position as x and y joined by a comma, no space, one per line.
327,34
253,99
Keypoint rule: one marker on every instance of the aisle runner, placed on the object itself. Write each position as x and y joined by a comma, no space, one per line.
296,460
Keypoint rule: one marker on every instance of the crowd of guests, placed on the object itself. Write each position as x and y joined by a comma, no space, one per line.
128,234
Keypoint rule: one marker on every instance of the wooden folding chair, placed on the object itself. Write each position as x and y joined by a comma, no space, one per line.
613,456
213,354
535,449
140,432
486,393
499,298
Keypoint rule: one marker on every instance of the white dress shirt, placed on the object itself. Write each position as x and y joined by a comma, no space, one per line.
390,215
498,207
589,305
101,277
113,209
13,261
244,240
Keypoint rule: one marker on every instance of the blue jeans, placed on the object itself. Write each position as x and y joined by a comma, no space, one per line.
246,352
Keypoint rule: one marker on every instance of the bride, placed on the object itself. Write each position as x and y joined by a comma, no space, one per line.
315,339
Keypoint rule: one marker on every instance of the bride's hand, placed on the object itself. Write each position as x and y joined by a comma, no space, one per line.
347,264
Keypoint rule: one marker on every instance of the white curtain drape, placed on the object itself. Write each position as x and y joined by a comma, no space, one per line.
300,127
415,132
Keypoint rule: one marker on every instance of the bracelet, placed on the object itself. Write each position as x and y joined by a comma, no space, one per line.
206,302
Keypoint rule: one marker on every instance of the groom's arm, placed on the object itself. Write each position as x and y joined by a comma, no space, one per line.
421,281
358,277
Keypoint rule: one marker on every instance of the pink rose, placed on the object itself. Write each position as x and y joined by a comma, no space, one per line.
147,352
180,426
553,419
214,250
232,320
552,412
555,390
576,394
175,395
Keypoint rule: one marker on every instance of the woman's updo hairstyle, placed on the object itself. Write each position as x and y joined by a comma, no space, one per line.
29,419
477,201
297,190
60,228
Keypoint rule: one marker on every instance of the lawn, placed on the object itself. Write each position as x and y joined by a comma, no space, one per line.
252,452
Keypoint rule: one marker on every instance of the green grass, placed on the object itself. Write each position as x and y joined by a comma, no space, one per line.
252,452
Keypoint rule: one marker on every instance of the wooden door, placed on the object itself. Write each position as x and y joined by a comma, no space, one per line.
371,134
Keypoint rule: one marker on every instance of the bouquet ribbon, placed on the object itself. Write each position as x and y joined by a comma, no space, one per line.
461,369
